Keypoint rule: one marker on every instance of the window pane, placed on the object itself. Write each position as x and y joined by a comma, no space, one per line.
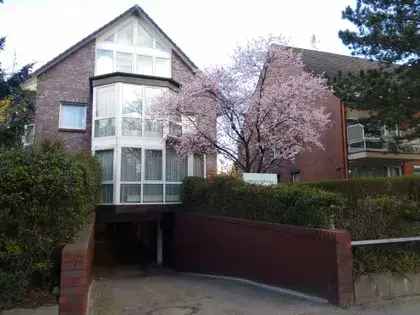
73,116
173,192
104,61
161,47
163,67
175,129
153,193
153,128
132,99
106,160
144,65
105,127
131,164
131,127
153,166
125,35
110,38
143,38
105,101
198,165
176,167
107,193
124,62
130,193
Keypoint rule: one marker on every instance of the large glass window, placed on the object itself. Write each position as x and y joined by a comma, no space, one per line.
143,38
72,116
104,61
147,171
124,62
153,165
176,166
106,160
144,64
133,49
125,35
105,111
130,175
176,171
163,67
198,165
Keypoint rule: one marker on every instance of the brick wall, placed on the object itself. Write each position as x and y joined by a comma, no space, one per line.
66,81
76,273
311,260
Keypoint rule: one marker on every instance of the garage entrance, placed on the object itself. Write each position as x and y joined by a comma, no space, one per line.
128,243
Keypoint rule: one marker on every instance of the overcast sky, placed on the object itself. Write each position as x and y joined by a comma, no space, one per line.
206,30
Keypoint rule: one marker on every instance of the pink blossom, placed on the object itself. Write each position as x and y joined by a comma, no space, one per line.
263,101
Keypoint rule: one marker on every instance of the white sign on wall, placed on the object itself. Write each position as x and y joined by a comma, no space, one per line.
260,178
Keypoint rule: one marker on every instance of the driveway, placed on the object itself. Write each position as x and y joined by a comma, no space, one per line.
130,291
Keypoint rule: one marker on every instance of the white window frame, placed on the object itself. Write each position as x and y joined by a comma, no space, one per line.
118,141
75,104
115,47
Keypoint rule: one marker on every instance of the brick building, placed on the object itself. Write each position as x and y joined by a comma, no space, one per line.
350,148
93,97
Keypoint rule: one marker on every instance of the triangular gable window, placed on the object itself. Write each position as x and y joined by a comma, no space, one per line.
110,39
125,35
143,38
160,46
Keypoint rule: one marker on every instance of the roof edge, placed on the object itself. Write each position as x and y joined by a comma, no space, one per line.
135,10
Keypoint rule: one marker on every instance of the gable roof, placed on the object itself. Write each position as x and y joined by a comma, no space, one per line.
331,64
135,10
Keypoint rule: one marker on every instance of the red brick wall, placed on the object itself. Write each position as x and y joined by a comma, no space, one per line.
66,81
323,164
408,167
76,274
312,260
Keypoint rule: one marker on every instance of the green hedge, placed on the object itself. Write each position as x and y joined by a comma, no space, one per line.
368,208
46,196
378,208
226,196
407,187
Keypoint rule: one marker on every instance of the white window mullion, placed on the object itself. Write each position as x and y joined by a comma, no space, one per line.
205,165
117,174
164,172
190,165
143,168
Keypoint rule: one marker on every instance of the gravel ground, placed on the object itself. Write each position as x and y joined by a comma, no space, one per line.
133,292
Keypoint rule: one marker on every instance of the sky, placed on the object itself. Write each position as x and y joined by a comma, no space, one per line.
207,31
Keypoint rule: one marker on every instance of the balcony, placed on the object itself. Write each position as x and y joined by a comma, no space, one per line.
379,144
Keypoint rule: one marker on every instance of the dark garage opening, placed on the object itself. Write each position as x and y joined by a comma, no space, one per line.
126,244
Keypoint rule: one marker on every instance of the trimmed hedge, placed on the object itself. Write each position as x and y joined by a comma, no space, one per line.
407,187
368,208
378,208
227,196
46,196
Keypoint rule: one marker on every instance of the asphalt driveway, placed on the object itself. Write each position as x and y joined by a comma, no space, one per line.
129,291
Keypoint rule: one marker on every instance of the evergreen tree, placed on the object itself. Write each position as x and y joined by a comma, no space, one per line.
16,104
388,32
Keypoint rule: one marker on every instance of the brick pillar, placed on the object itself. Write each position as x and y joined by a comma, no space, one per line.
343,290
76,274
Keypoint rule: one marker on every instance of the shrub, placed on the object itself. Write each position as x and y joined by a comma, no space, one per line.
407,187
46,196
232,197
368,208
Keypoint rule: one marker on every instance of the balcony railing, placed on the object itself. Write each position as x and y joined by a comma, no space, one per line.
358,141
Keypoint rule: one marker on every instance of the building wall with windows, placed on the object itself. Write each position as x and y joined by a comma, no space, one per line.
97,99
64,88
